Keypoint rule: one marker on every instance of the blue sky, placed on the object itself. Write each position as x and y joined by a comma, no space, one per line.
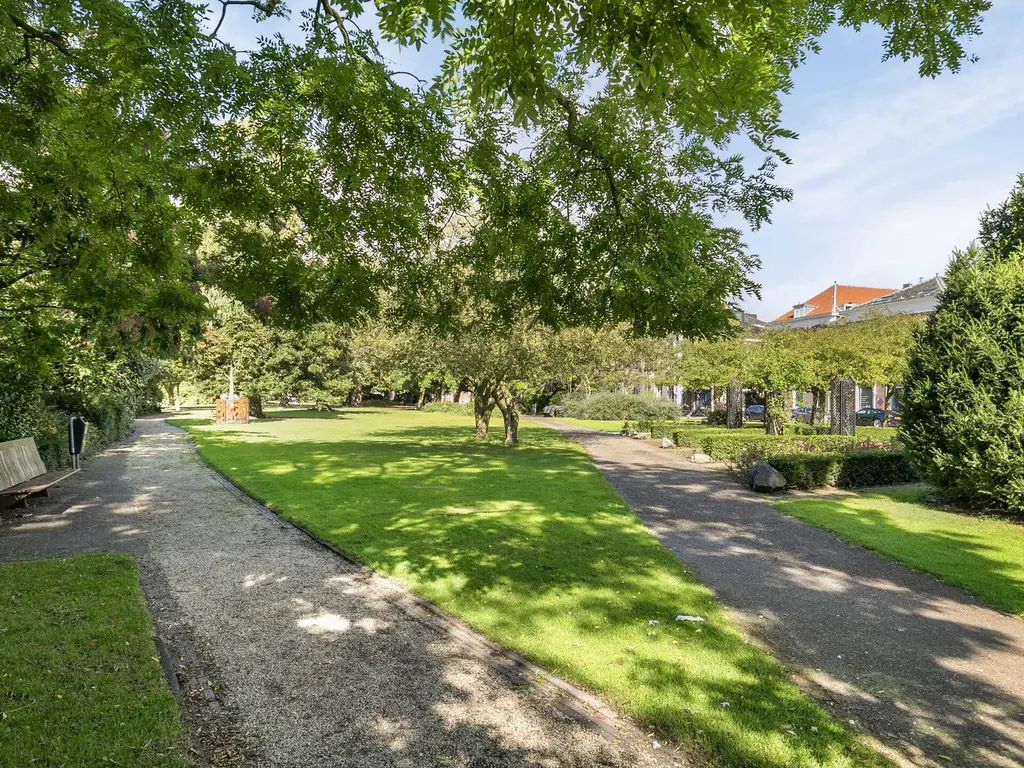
891,170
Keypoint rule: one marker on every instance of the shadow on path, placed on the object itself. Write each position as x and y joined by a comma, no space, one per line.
932,675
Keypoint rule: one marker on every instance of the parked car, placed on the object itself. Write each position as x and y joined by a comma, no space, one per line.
802,413
875,417
754,413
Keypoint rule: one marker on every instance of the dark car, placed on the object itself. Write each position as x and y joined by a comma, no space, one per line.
754,413
875,417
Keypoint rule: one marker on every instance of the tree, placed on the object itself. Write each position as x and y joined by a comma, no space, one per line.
775,365
963,403
233,351
711,364
499,367
889,338
835,351
322,174
584,358
1002,227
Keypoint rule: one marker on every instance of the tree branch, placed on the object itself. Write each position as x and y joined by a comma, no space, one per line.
5,284
51,36
572,118
266,7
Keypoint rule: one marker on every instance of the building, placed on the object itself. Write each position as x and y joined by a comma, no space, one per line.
918,298
827,306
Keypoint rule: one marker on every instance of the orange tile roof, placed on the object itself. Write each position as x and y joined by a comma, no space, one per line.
845,294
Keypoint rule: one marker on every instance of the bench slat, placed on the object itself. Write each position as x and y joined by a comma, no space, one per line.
19,462
38,484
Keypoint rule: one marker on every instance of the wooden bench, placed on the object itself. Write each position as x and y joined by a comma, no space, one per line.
22,472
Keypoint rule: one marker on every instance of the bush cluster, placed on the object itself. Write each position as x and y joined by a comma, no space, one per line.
810,429
615,405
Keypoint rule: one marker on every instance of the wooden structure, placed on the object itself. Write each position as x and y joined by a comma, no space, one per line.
236,410
22,472
843,406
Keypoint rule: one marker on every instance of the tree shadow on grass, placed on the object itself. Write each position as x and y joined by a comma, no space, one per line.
533,547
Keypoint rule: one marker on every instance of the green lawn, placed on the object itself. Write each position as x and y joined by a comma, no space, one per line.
601,425
534,548
80,684
982,555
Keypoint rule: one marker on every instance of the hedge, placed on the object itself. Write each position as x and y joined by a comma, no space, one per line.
811,429
857,469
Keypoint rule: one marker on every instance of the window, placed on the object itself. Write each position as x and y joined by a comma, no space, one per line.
866,397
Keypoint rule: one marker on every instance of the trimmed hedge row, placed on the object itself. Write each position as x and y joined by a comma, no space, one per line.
730,444
806,460
857,469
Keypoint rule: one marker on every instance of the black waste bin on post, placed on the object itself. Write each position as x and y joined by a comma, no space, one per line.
77,427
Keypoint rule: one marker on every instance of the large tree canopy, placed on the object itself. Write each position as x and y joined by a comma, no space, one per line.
131,132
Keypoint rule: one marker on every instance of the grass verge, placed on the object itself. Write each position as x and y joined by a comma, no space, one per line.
982,555
80,684
535,549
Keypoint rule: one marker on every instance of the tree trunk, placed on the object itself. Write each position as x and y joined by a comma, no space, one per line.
817,405
255,405
421,398
890,393
774,412
355,396
508,404
483,405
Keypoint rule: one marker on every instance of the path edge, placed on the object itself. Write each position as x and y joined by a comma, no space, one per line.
574,702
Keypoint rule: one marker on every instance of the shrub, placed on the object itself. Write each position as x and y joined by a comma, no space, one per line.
613,405
463,408
109,394
963,404
854,469
716,419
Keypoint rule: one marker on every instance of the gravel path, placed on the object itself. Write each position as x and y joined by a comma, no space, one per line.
312,661
933,676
